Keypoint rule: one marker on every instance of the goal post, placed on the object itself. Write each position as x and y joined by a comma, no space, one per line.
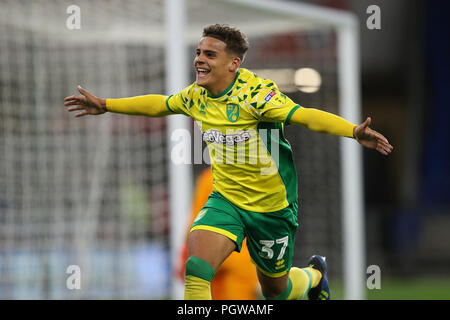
351,164
180,175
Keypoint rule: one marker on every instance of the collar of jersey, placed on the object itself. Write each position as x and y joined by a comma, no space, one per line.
226,90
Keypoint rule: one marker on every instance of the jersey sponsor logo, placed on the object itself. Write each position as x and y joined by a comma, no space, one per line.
269,96
216,136
233,112
279,100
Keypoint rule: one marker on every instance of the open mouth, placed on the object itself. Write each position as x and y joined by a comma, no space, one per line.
202,72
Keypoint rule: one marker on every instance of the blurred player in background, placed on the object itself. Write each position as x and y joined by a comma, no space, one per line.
255,195
236,278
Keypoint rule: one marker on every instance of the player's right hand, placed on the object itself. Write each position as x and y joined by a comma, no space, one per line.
86,103
370,138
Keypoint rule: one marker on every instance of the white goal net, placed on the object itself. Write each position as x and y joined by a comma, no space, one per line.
88,192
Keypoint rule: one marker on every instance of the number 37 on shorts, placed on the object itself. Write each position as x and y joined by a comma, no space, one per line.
274,257
267,250
270,240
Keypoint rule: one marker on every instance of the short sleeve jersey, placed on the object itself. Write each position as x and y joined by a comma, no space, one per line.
243,127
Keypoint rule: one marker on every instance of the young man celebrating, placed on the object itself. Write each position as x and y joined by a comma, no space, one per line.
255,196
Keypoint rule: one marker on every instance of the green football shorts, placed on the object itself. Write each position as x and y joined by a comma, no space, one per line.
270,236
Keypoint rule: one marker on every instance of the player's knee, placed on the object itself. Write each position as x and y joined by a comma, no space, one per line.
198,279
197,267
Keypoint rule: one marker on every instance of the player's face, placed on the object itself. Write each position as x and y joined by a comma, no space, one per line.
215,67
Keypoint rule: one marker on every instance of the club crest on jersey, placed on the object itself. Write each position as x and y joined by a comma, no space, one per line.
269,95
233,112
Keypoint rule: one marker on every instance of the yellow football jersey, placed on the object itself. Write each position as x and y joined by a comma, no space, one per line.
243,127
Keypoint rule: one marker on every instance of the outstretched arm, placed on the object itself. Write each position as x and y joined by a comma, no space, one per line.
321,121
87,104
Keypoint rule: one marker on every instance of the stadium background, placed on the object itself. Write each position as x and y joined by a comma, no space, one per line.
404,80
404,69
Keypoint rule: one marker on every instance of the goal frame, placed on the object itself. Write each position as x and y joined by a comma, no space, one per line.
346,25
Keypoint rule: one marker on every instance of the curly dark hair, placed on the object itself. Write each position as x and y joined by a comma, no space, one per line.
235,40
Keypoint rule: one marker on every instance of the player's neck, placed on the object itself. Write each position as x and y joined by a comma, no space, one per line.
223,87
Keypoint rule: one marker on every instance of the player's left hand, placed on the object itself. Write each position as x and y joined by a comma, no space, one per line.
371,139
86,103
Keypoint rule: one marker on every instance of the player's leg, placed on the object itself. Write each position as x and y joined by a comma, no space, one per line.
215,233
207,250
272,287
322,290
271,239
292,286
